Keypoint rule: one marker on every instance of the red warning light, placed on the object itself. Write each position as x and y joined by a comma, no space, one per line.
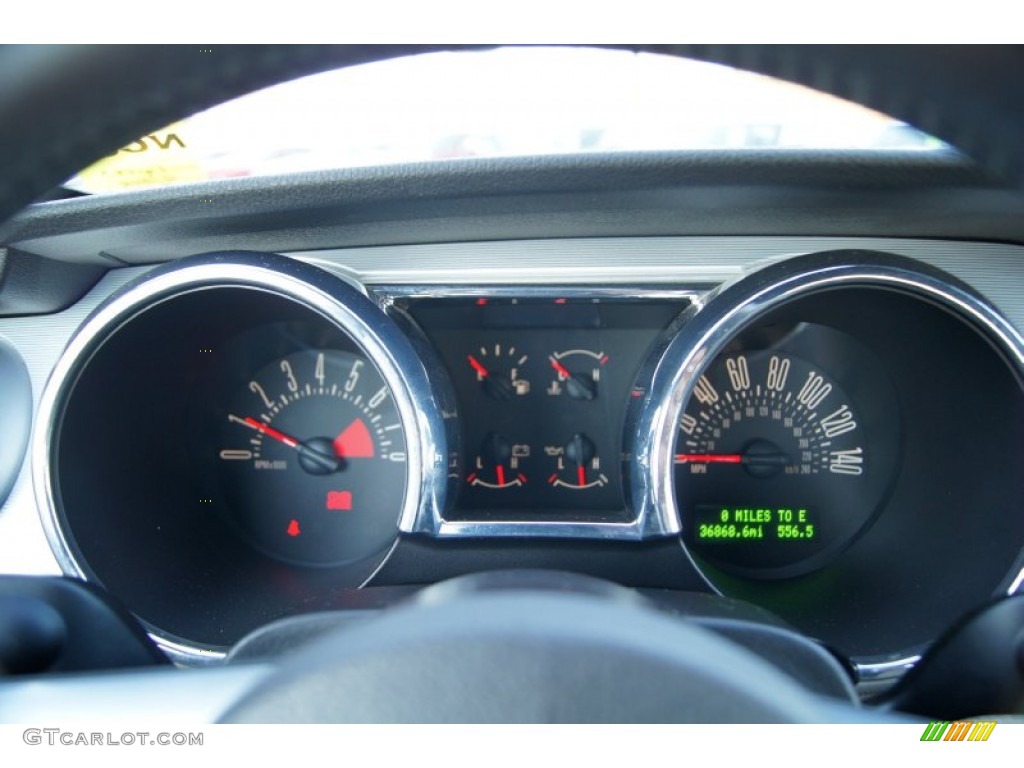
293,528
560,301
481,302
354,442
340,501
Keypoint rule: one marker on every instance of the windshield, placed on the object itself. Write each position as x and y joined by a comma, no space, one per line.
500,102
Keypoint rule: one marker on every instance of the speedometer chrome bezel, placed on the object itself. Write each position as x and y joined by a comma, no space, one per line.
421,400
735,306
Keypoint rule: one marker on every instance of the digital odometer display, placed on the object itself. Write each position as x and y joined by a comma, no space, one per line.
778,465
765,525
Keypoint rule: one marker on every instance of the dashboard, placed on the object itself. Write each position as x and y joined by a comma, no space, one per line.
233,439
776,389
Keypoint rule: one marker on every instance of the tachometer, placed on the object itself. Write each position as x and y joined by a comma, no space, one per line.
223,424
316,451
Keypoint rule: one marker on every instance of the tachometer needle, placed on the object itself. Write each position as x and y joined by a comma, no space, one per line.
268,430
477,366
315,456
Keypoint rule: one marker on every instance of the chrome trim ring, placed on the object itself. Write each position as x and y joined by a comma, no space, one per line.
732,307
884,671
340,303
646,521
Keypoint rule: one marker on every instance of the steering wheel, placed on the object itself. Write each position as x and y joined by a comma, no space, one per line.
474,653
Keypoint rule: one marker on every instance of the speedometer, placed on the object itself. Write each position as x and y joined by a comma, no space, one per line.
814,429
776,468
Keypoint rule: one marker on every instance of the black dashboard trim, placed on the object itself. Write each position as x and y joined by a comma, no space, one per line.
728,193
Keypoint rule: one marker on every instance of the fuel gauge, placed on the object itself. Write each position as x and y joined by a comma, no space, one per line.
499,370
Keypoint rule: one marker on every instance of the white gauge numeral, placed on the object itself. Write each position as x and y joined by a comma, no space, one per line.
235,455
778,370
286,368
688,423
353,376
256,388
396,456
814,391
378,398
838,423
739,374
319,373
705,392
848,462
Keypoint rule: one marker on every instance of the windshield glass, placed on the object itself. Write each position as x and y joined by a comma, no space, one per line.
501,102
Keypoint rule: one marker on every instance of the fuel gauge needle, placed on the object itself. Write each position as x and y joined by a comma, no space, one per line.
477,366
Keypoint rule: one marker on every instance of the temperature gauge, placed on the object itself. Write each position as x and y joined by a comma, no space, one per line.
578,373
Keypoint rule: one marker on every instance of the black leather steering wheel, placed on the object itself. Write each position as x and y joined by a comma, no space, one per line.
63,107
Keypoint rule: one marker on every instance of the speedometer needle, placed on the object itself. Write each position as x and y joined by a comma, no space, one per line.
709,458
768,459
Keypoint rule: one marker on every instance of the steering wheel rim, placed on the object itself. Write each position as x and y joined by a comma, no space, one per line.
526,656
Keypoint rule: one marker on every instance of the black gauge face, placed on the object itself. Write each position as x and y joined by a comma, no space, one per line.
778,467
312,458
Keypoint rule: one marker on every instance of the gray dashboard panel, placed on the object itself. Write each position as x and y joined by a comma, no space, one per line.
995,270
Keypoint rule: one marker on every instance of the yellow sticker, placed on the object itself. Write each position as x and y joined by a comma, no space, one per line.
156,159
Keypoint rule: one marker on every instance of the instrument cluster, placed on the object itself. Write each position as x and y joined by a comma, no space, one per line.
234,438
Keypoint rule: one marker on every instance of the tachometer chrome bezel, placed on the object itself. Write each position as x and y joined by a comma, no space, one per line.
420,399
